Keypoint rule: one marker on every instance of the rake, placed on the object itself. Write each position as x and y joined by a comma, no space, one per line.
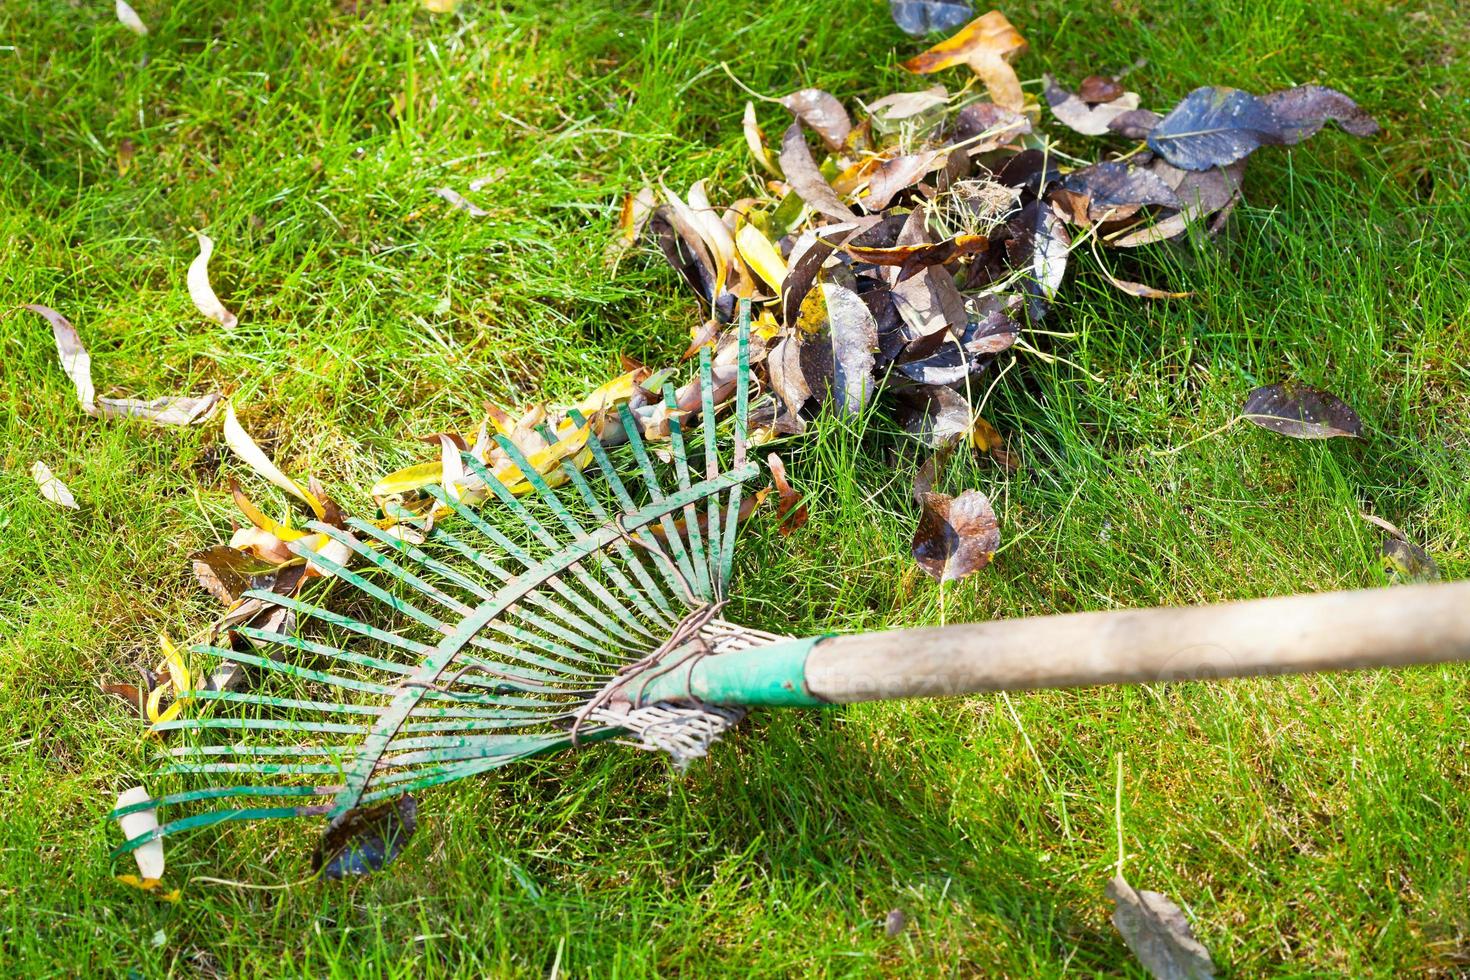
596,614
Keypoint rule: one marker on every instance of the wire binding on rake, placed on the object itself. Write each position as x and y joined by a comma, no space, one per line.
483,644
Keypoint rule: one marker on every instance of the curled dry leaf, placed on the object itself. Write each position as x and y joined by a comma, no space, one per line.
1157,932
919,17
789,508
823,113
806,180
1301,412
763,258
892,112
957,536
239,440
755,139
227,573
900,173
77,363
141,819
631,221
52,488
988,45
201,292
460,203
365,839
128,17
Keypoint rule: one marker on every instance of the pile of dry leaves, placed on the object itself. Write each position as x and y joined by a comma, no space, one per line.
899,253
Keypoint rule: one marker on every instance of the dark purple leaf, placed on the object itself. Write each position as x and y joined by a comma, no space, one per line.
1212,127
365,840
1302,412
919,17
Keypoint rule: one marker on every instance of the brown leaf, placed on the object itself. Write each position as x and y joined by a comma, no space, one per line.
806,180
899,174
936,415
912,258
130,694
1301,412
1100,88
997,124
788,381
957,536
823,113
789,510
987,44
1157,932
1135,124
227,573
125,153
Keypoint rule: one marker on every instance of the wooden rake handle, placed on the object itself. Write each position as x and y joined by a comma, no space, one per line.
1391,627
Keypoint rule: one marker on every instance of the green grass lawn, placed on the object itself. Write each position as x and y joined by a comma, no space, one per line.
1310,826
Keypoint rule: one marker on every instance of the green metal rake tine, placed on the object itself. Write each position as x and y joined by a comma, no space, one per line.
668,570
548,497
335,570
257,724
587,642
570,621
656,493
381,561
216,793
637,596
742,406
659,611
421,649
691,511
711,467
519,554
415,553
337,619
212,817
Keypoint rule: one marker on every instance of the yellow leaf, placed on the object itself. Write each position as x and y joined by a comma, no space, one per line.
440,6
409,479
244,446
758,252
765,326
987,44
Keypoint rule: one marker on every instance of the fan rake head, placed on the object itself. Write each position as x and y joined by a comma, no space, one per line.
474,645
